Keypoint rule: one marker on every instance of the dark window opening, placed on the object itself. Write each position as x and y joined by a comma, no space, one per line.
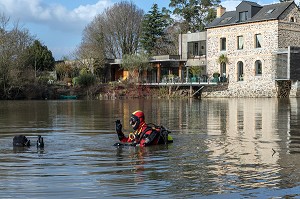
240,71
196,49
223,44
258,68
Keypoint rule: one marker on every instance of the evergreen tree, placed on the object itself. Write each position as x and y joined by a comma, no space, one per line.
195,13
153,26
39,57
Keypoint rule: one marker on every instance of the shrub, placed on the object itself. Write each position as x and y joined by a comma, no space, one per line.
86,79
163,91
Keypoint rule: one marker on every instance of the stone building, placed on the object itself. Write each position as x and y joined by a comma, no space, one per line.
260,46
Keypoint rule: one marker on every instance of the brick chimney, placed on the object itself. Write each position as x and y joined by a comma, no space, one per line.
220,11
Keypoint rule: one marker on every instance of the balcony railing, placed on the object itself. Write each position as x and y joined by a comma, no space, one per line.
188,81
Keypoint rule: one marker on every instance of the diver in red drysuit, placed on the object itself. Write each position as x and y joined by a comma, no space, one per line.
143,134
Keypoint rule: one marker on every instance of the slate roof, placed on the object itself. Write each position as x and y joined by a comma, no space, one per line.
267,12
253,3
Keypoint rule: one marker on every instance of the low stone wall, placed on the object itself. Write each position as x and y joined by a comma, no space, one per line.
240,90
281,89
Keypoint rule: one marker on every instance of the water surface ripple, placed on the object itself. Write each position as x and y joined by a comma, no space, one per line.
223,148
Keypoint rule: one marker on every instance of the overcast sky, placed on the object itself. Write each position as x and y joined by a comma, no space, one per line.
58,24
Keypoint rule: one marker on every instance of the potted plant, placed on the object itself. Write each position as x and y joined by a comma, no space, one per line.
223,60
216,76
196,71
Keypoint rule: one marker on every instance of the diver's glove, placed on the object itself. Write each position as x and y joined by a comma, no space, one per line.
119,130
118,126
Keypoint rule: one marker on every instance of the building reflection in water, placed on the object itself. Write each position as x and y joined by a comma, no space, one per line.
259,135
251,142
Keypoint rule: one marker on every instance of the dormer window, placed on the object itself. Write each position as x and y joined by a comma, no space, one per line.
243,16
246,10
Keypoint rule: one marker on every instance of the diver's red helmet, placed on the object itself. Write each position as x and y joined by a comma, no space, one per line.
137,118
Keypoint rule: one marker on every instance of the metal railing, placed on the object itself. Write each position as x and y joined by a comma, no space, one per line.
185,81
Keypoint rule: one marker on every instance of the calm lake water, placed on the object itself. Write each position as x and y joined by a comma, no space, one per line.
223,148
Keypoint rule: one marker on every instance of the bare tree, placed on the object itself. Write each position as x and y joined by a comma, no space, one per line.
13,42
113,33
92,46
168,44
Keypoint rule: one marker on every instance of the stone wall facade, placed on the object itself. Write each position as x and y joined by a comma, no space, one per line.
275,34
289,28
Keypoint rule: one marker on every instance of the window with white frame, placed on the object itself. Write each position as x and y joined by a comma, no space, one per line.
240,42
258,40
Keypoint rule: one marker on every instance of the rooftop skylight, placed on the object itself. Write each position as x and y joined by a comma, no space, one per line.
270,11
